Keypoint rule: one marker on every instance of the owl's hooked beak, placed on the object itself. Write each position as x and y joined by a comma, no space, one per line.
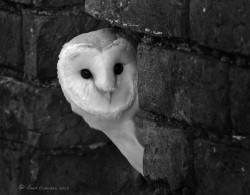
106,85
108,95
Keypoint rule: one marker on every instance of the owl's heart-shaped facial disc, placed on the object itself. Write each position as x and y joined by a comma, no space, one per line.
100,78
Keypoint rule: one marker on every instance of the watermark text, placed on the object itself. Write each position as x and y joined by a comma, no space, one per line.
43,188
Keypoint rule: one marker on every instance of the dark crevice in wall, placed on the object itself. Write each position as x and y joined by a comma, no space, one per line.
195,131
79,150
160,186
10,6
190,46
6,70
55,11
34,81
36,8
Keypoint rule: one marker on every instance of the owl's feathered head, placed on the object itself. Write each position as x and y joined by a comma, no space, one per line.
98,72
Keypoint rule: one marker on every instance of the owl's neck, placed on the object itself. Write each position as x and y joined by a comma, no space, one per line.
122,131
124,136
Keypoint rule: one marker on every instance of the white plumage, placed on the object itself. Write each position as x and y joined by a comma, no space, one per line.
98,75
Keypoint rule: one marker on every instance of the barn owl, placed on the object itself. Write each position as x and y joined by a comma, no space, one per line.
97,72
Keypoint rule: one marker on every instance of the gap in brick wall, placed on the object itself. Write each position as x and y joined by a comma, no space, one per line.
196,130
43,10
190,46
20,76
72,150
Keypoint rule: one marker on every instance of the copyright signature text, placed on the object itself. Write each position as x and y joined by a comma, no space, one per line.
42,188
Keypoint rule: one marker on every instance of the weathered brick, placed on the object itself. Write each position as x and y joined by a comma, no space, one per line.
168,154
41,117
8,171
221,24
44,37
11,51
47,3
184,86
221,169
103,171
159,18
240,100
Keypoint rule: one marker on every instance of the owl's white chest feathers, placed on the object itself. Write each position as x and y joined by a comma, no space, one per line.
124,137
122,131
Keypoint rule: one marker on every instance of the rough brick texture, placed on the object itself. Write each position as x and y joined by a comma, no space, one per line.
11,51
102,171
221,24
44,144
160,18
240,100
183,86
41,117
168,155
178,161
44,37
217,24
221,169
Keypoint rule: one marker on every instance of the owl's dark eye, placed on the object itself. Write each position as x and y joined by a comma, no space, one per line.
86,74
118,68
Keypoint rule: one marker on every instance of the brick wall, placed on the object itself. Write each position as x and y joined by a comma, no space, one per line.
42,142
194,91
194,95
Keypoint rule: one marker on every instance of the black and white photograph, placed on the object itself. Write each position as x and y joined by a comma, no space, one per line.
124,97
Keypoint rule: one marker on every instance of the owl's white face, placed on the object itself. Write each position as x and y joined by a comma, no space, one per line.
103,81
